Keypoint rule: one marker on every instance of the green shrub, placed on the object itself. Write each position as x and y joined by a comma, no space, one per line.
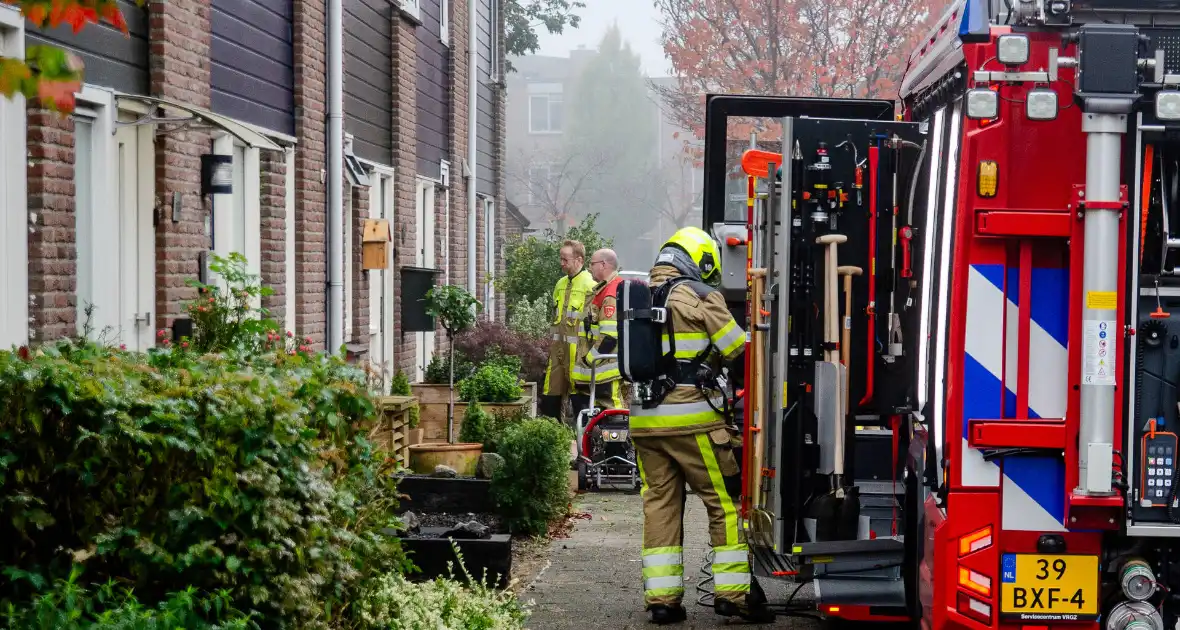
532,487
498,358
438,370
530,317
491,384
400,386
500,423
236,473
70,606
394,603
476,425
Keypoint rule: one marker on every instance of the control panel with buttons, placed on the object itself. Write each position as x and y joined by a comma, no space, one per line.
1159,452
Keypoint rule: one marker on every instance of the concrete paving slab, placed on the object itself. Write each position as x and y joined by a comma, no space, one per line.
594,580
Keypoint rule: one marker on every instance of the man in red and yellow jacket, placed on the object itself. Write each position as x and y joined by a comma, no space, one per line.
600,334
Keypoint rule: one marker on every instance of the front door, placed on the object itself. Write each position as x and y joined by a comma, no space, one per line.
135,249
426,239
14,208
381,288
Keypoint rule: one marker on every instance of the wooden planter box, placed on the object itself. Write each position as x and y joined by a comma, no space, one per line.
390,432
433,403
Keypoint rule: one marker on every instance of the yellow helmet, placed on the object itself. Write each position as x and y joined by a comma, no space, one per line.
702,249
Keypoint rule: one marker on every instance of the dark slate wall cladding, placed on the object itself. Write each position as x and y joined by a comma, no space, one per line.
112,59
368,78
434,108
253,77
486,114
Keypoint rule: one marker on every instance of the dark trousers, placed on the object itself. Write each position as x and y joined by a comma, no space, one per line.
550,406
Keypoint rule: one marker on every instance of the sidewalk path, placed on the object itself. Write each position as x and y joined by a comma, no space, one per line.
593,579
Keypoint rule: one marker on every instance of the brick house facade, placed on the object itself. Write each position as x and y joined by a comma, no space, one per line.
117,214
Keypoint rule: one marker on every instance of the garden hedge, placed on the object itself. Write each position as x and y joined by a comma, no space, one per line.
171,471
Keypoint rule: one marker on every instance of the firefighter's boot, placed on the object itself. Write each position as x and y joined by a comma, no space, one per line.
666,614
754,613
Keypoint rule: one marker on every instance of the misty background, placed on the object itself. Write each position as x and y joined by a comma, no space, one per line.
588,132
605,98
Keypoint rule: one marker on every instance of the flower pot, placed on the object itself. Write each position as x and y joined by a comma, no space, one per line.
462,458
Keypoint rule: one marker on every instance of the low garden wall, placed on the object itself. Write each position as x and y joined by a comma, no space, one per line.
432,401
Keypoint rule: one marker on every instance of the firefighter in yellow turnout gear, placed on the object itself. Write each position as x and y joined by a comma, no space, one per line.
570,295
685,439
600,335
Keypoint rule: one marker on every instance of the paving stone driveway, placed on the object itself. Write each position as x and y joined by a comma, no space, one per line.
593,579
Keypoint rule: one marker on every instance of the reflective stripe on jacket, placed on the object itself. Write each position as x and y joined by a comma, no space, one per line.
699,319
570,296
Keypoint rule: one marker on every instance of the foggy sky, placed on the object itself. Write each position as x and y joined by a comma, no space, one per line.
638,22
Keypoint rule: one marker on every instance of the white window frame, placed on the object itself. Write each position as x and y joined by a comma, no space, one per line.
412,8
489,217
425,256
245,199
14,218
444,20
551,92
348,253
97,222
494,42
382,179
289,317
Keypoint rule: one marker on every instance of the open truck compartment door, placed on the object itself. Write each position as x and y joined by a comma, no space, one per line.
823,258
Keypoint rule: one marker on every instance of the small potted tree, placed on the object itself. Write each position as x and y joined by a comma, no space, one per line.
455,309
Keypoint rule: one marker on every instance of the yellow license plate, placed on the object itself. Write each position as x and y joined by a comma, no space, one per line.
1038,587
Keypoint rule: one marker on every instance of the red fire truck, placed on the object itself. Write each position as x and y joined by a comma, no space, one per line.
962,388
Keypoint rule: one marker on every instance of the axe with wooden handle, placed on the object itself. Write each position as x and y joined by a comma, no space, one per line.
848,273
831,295
834,408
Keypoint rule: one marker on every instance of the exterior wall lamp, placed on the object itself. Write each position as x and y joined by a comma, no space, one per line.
217,174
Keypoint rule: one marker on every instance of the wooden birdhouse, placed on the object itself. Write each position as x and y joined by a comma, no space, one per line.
375,244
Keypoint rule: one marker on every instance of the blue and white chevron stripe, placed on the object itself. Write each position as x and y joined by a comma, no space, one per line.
1033,487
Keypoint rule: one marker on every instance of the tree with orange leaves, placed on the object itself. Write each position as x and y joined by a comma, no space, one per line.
48,73
825,48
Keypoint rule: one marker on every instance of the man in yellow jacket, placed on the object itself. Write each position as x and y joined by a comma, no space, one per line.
570,295
600,334
685,438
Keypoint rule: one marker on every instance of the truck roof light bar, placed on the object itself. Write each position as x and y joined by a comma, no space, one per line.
1048,75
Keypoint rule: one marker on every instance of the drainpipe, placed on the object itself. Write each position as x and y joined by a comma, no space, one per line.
336,254
472,113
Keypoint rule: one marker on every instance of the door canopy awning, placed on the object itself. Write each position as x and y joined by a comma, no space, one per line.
172,116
